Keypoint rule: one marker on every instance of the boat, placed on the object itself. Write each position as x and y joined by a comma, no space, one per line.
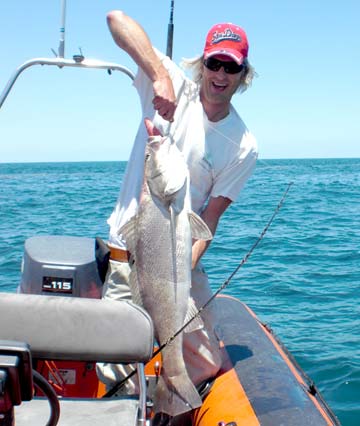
56,327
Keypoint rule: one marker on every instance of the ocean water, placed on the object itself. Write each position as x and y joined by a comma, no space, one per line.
303,278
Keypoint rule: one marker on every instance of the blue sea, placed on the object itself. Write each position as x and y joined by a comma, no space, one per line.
303,278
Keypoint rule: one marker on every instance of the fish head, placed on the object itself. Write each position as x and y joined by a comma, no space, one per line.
166,172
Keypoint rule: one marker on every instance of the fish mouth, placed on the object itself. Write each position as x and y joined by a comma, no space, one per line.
154,142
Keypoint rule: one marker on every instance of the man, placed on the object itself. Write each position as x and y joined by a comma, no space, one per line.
220,152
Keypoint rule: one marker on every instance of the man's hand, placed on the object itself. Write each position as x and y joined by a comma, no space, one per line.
164,98
131,37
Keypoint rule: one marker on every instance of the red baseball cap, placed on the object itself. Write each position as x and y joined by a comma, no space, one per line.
227,39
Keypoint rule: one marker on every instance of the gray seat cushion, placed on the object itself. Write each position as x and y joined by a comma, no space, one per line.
78,329
80,412
73,328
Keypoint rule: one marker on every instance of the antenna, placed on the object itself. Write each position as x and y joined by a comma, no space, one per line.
61,50
170,34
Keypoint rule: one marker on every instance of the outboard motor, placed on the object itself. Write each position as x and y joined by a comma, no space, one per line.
61,265
67,267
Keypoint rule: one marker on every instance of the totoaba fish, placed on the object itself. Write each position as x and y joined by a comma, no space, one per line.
159,238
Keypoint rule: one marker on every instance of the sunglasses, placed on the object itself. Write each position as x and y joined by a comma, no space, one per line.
229,67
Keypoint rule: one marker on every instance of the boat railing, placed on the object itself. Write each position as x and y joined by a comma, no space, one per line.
78,61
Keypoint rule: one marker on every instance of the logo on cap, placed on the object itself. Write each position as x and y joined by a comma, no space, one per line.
227,34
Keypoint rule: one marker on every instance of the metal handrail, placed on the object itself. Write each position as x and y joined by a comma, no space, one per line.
78,61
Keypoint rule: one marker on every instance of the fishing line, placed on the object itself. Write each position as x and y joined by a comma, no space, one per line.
119,385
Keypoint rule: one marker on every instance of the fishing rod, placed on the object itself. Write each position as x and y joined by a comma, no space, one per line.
170,34
119,385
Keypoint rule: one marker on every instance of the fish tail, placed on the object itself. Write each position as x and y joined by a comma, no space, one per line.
176,395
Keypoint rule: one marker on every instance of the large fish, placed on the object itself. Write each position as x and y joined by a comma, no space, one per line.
159,239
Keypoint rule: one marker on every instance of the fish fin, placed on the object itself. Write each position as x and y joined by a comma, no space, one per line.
178,199
199,229
174,189
176,395
178,176
192,312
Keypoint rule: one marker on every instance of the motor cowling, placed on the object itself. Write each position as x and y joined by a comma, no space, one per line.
60,265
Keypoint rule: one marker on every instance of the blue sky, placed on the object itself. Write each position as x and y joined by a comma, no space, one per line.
305,102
